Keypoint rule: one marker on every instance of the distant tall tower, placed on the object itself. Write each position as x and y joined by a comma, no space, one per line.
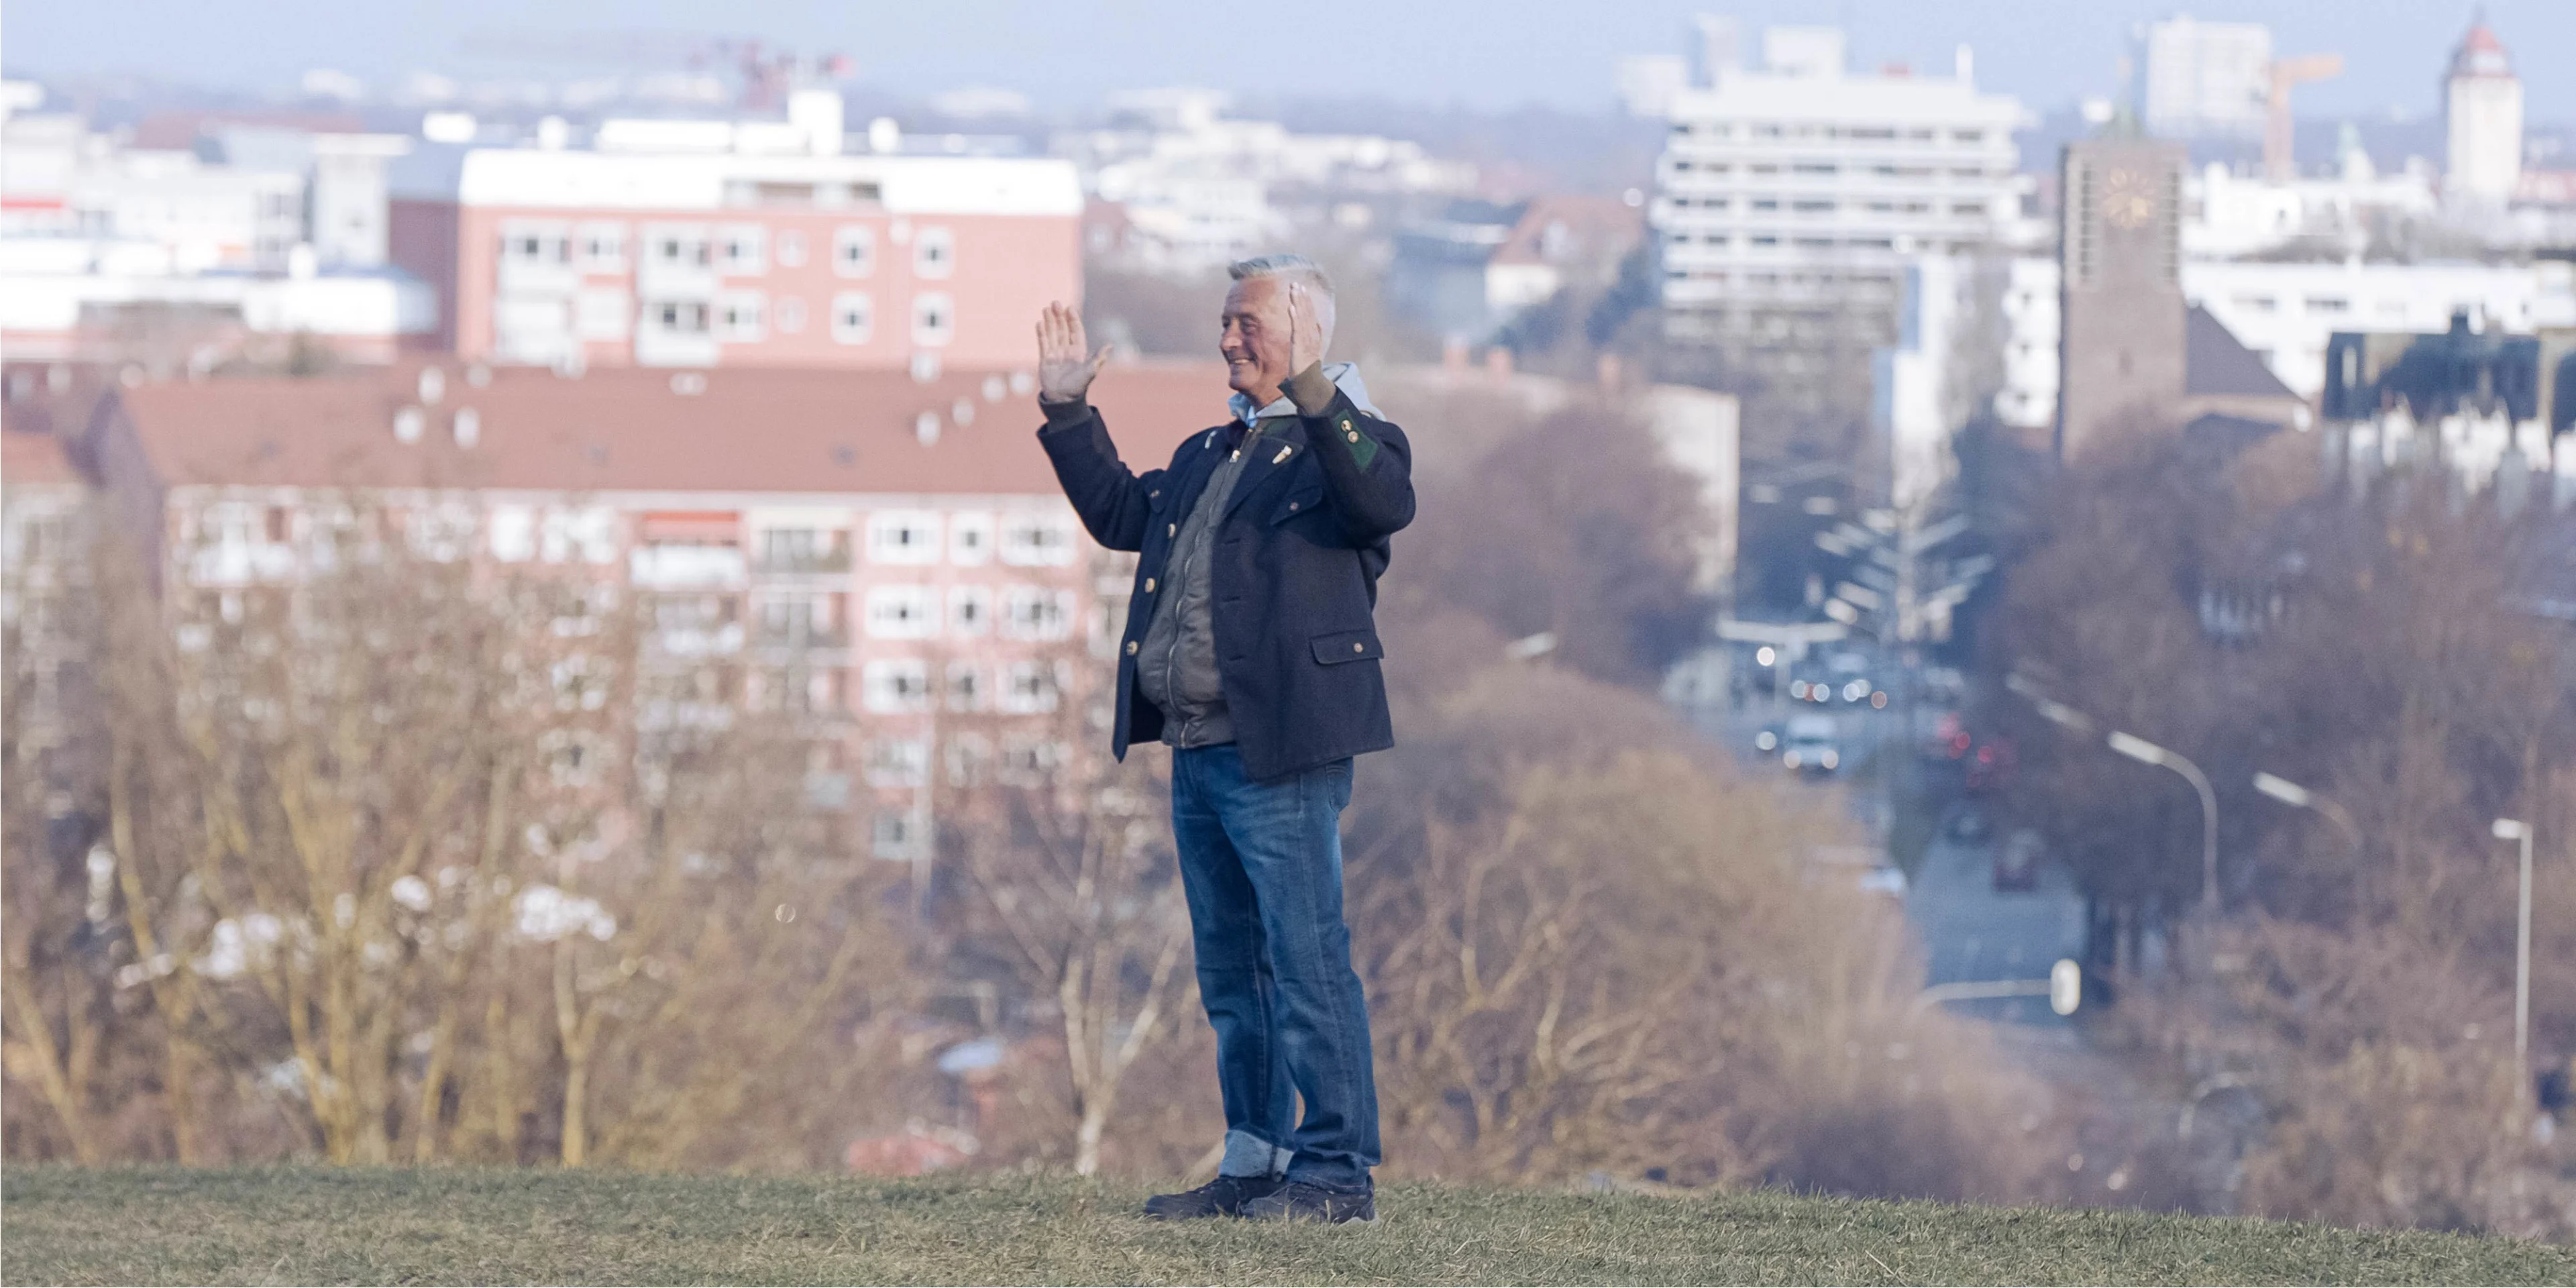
2204,78
2482,104
2120,336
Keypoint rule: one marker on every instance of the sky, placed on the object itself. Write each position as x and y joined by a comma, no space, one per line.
1485,54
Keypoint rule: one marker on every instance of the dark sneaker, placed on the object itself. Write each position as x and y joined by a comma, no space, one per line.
1298,1201
1224,1196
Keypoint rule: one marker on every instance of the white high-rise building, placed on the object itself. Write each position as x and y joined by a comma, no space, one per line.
2205,78
2482,105
1791,199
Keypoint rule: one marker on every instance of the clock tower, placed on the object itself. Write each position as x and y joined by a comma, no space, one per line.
2120,354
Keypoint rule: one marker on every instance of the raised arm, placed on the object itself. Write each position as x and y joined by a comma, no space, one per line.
1367,462
1111,501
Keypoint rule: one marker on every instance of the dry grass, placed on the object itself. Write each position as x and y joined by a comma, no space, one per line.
310,1225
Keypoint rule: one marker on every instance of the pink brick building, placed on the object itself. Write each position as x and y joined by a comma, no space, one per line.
642,253
886,559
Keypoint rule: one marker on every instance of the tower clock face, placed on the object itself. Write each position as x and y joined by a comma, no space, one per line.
2128,200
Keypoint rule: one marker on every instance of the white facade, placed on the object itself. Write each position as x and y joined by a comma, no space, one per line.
2205,78
1800,184
2227,215
2482,110
55,290
1954,309
2286,313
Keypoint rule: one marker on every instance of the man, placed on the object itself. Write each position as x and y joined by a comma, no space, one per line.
1251,648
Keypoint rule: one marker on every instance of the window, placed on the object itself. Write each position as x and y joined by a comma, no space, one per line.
536,246
965,687
853,318
896,685
677,317
791,249
904,537
1814,207
970,537
1968,208
744,248
1026,760
1815,167
588,534
1032,539
1967,136
2328,304
740,317
970,610
2258,303
902,612
897,762
890,836
1765,203
854,250
1037,613
603,248
933,319
795,620
679,250
1029,688
798,690
934,253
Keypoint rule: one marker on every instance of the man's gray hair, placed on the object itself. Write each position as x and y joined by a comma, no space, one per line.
1296,270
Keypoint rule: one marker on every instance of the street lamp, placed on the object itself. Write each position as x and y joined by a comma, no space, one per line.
2291,794
2145,752
2507,829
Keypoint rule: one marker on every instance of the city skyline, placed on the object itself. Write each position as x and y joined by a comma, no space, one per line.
2393,50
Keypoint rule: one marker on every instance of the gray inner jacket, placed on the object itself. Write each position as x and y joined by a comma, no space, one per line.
1176,667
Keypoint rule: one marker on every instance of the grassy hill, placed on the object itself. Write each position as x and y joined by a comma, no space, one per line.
310,1225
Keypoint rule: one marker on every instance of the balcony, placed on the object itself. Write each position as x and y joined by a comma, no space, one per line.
801,640
809,564
686,567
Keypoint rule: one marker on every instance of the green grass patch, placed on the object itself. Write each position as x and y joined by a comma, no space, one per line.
315,1225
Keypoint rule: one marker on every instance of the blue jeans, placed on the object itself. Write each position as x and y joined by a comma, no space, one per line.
1262,864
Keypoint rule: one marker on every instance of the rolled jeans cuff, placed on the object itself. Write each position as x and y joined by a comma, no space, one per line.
1249,1155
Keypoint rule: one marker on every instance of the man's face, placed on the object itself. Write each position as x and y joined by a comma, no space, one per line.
1254,338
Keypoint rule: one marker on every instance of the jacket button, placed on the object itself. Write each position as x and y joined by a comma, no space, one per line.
1131,648
1355,436
1292,507
1359,648
1149,585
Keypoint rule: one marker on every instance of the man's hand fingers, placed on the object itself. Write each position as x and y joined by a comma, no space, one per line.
1101,359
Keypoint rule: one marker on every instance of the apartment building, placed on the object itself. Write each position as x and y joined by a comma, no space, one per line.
874,556
715,244
1791,197
2205,78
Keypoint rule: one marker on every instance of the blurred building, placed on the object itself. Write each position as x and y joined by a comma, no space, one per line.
2228,214
1468,274
239,241
2491,410
723,244
1790,198
2482,119
881,559
2204,78
1198,189
2120,313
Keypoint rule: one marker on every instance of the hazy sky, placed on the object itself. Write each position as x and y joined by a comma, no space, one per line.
1485,53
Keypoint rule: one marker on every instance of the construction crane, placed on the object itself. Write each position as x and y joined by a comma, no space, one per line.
2282,73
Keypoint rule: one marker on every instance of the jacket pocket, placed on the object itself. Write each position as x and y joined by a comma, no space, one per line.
1299,501
1334,647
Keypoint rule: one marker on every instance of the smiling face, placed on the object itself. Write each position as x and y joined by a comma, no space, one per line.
1253,337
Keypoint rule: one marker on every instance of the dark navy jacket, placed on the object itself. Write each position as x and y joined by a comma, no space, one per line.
1297,555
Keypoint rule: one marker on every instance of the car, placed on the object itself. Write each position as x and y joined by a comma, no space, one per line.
2017,864
1808,745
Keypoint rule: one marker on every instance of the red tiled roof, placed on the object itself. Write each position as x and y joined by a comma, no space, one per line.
633,430
35,459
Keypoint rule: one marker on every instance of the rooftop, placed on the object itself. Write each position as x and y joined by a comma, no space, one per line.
646,430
